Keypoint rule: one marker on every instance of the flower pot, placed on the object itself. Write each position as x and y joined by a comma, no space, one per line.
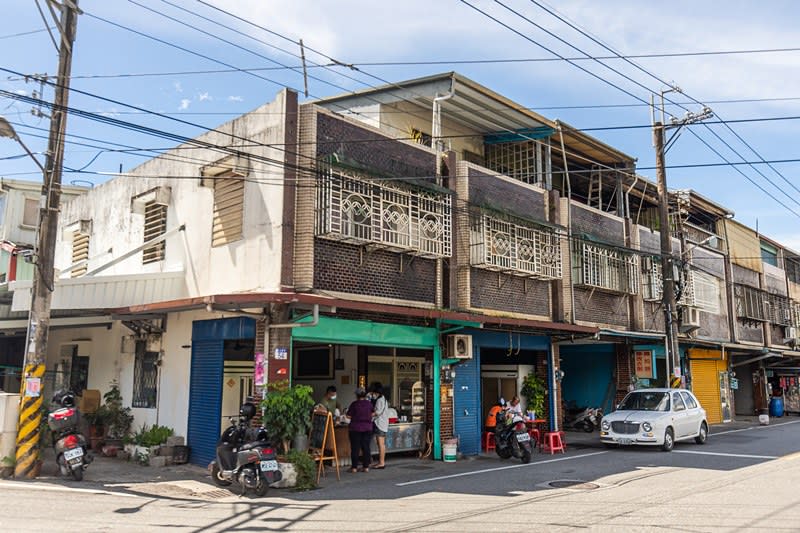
300,442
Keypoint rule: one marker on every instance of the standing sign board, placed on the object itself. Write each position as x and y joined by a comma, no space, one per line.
644,364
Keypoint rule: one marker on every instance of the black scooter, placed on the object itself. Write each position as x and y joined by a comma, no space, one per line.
245,456
511,437
72,451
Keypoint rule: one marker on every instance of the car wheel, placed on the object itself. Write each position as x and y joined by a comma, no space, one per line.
702,437
669,440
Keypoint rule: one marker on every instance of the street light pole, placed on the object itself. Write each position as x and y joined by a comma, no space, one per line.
30,411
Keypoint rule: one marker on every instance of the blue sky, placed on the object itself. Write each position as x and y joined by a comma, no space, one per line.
446,30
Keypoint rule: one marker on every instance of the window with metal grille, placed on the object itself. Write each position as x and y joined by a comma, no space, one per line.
404,218
514,247
30,214
79,373
778,309
706,292
80,253
652,279
145,378
603,267
750,303
527,161
228,210
155,225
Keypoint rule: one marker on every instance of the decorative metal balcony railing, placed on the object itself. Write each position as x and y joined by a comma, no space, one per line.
515,248
397,216
606,268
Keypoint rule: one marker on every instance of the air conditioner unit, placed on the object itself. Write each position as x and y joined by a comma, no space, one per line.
459,346
790,335
690,319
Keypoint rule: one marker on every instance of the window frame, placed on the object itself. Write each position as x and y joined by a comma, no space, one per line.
35,212
145,388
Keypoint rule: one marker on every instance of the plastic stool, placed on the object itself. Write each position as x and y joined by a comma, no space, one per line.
563,439
487,441
553,442
535,436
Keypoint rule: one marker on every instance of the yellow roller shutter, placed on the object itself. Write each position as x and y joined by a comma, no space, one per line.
705,381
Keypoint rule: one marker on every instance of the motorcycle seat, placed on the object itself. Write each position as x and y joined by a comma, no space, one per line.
254,444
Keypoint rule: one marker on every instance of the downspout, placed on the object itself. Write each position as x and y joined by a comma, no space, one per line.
553,386
436,139
437,402
569,223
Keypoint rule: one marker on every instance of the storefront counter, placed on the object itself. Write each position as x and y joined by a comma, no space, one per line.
401,437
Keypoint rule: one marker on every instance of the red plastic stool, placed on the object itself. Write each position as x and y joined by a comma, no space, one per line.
535,436
563,439
487,441
553,442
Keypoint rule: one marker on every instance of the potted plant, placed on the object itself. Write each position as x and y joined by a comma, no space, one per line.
96,427
534,391
116,418
287,411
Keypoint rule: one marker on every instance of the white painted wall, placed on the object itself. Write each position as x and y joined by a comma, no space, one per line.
250,264
15,192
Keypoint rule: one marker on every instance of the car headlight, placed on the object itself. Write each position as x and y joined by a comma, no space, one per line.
646,426
605,425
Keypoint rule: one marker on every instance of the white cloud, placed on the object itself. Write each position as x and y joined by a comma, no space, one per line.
185,102
202,97
233,98
178,87
21,92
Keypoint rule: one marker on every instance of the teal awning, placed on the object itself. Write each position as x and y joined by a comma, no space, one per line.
362,332
526,134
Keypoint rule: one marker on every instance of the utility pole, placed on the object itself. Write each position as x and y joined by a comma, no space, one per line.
30,412
668,270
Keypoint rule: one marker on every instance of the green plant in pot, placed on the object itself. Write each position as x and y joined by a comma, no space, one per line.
287,411
535,392
117,419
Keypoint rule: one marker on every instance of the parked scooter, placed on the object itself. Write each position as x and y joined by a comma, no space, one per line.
245,456
511,437
72,452
584,418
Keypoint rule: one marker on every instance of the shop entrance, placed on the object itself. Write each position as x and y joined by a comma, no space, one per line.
237,377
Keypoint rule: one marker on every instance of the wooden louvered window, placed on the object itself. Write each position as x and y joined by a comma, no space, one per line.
80,252
228,212
155,225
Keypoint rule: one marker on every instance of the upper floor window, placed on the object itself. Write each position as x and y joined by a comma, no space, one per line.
394,215
516,248
706,292
652,280
793,270
769,254
604,267
80,253
228,210
749,303
30,214
155,225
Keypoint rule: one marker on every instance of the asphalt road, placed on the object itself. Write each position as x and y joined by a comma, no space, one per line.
740,480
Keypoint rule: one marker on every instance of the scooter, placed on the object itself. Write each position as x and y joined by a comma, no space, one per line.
72,452
245,456
511,437
585,418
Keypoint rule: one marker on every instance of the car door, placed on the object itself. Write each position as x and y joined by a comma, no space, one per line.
695,414
680,416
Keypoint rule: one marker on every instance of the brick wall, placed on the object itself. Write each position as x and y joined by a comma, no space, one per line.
506,195
365,146
591,222
653,317
446,430
600,307
349,268
504,292
303,275
623,371
649,241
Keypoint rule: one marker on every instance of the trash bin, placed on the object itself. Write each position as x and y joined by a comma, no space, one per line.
763,417
776,406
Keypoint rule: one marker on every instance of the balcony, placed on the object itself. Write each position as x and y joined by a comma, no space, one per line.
605,268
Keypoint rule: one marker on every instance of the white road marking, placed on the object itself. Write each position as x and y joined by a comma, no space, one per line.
722,454
59,488
754,427
499,468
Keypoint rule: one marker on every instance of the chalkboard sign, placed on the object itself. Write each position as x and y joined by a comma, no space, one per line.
319,422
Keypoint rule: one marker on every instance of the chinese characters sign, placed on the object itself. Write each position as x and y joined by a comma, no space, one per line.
644,363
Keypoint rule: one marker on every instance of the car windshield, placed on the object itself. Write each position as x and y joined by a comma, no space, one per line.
645,401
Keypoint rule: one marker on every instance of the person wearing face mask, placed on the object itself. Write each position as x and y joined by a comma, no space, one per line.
329,400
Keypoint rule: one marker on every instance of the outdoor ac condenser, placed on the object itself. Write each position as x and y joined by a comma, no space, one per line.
459,346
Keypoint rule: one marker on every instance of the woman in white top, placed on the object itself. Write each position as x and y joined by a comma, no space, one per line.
381,419
516,406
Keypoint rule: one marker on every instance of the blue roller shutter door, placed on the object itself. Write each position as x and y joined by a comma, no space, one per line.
466,392
205,400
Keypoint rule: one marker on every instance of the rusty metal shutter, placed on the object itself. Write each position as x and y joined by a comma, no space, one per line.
80,252
228,212
155,225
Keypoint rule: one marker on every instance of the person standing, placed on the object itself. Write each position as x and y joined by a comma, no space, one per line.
360,430
329,400
381,420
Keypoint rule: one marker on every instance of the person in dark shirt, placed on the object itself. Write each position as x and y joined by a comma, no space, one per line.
360,431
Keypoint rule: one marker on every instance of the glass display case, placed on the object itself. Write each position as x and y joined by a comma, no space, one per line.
409,381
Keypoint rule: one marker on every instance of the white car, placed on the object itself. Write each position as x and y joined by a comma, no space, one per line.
655,417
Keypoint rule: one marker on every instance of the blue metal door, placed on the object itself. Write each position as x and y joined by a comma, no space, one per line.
205,400
467,415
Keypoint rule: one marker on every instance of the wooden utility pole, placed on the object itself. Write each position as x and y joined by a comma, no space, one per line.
667,259
30,412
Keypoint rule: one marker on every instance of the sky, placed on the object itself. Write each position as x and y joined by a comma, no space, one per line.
165,68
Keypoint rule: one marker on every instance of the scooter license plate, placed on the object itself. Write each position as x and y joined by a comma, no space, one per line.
267,466
523,437
74,453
